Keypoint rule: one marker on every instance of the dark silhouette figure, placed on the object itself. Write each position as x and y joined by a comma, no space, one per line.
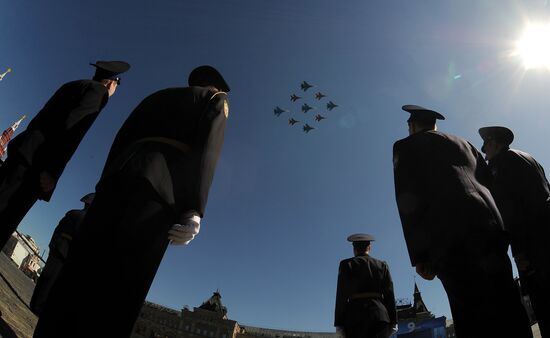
37,156
59,250
453,228
153,191
522,194
365,303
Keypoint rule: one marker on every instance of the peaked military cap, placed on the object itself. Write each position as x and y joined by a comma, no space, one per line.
207,75
109,69
88,198
419,113
361,238
499,134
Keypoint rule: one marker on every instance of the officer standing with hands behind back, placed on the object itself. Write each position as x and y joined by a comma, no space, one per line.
38,155
365,303
152,193
522,194
453,228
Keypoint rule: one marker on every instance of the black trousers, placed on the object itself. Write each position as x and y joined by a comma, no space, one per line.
18,193
361,320
111,265
484,299
47,278
537,284
367,330
537,287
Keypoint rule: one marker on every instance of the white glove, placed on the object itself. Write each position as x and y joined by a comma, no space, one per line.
182,234
392,330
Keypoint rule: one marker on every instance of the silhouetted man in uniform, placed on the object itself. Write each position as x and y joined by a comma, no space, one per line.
453,229
522,194
365,304
37,156
59,249
153,191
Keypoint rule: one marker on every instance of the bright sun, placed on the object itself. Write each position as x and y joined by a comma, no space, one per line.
534,46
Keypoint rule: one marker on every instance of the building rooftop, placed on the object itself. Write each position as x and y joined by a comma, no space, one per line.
215,304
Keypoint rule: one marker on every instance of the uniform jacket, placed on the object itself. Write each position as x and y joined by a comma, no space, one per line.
70,222
193,116
442,196
68,225
53,135
364,274
522,192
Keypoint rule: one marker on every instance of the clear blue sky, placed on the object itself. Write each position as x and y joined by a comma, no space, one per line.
282,202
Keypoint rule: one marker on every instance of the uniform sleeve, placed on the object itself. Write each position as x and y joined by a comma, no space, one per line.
93,100
412,172
389,297
63,142
341,296
210,140
512,190
70,222
77,123
482,173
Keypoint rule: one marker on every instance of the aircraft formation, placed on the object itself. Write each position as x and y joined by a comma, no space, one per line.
305,107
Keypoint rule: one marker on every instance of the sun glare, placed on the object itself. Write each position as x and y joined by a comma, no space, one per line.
534,46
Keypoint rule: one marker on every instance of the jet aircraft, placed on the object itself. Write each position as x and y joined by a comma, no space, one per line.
278,111
305,86
294,97
307,128
319,95
292,121
306,107
331,105
319,117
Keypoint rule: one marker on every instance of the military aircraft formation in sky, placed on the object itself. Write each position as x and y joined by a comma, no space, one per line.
304,86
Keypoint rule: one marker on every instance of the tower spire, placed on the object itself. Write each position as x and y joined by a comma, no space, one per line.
419,305
7,134
16,124
4,74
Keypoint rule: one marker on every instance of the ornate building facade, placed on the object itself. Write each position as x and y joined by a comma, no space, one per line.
210,321
207,321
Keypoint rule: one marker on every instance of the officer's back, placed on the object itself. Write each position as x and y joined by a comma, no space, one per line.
365,303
